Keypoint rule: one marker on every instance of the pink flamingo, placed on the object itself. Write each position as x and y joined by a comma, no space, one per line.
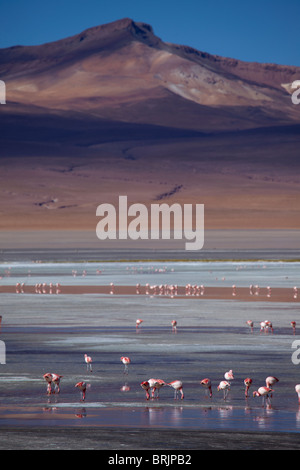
126,361
48,378
146,386
177,385
247,383
207,384
174,326
156,384
293,323
229,375
271,381
82,388
262,326
138,322
297,388
268,325
263,392
225,386
56,380
250,323
88,361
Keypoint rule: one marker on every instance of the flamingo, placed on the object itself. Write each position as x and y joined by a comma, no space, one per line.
48,378
297,388
146,386
250,323
293,323
225,386
56,380
263,392
295,292
262,326
82,388
234,290
138,322
207,384
247,383
126,361
88,361
268,325
177,385
156,384
271,381
229,375
174,325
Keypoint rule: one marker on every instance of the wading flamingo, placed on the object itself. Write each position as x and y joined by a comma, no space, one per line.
250,323
126,361
247,383
229,375
138,322
177,385
82,388
263,392
56,380
174,326
146,386
271,381
293,323
88,361
156,384
225,386
206,383
48,378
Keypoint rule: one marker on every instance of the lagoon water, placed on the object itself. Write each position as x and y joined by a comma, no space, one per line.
51,333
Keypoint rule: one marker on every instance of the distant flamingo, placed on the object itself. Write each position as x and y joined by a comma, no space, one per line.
82,388
247,383
146,386
293,323
263,392
207,384
225,386
234,290
297,388
229,375
250,323
48,378
126,361
88,361
56,380
156,384
174,326
269,291
177,385
295,292
112,288
268,325
138,322
262,326
271,381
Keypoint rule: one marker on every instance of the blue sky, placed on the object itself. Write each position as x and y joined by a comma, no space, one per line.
258,30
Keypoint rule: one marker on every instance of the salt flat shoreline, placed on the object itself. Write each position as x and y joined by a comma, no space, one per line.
123,440
278,294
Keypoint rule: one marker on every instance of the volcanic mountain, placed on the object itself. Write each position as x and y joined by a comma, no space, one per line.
116,110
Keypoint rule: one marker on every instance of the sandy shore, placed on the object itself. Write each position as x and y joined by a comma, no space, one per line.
221,293
124,440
